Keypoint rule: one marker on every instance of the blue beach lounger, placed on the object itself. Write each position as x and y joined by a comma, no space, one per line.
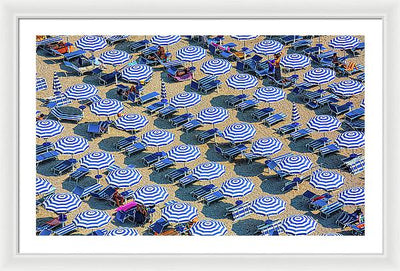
125,142
135,148
46,156
288,128
188,179
78,174
262,113
60,115
330,209
204,190
148,97
167,112
179,120
150,159
236,99
274,119
330,149
302,133
246,105
355,114
177,174
207,135
163,164
212,197
191,125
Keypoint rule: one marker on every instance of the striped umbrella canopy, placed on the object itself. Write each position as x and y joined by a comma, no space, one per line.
268,47
131,122
92,219
81,91
137,73
237,187
242,81
352,196
266,146
362,104
56,83
208,171
191,53
351,140
344,42
163,92
91,43
323,123
208,228
114,57
268,205
150,195
184,153
97,160
179,212
269,94
158,138
41,84
348,88
121,231
244,37
319,76
185,99
106,107
124,177
165,40
71,145
212,115
62,203
295,61
299,225
48,128
43,186
295,164
216,66
295,113
239,132
327,180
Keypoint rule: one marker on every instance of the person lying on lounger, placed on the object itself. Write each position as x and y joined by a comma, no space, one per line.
336,62
40,117
119,200
182,72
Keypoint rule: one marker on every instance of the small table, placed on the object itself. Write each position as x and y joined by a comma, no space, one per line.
82,107
98,177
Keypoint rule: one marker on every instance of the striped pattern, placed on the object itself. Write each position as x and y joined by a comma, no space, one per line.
163,92
114,57
97,160
216,67
41,84
92,219
295,113
239,132
56,83
212,115
185,99
71,145
184,153
351,140
319,76
208,171
179,212
137,73
244,37
362,104
81,91
268,47
91,43
208,228
331,234
106,107
123,232
299,225
158,138
237,187
165,40
43,186
269,94
348,88
191,53
324,123
131,122
242,81
295,164
326,180
124,177
62,203
344,42
48,128
266,146
150,195
295,61
352,196
268,206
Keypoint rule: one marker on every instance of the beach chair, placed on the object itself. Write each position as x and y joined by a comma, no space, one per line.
329,149
45,232
207,135
203,190
135,148
273,165
350,69
100,232
125,142
250,156
187,180
172,72
346,219
67,229
299,134
58,101
288,128
314,50
340,109
271,120
97,129
60,115
356,49
320,201
167,112
239,211
352,158
109,78
181,119
49,225
74,55
45,147
262,113
111,40
191,125
236,99
357,125
78,174
163,164
270,228
172,64
330,209
148,97
159,226
46,156
320,102
355,114
105,194
81,65
127,194
301,44
358,229
112,168
177,174
357,167
138,45
316,144
288,39
308,196
213,85
155,107
150,159
84,192
284,82
248,104
301,87
64,166
212,197
360,77
91,100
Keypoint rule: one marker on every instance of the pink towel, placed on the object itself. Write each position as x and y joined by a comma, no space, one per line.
126,207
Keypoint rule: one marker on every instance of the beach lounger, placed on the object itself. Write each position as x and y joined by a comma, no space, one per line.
67,229
301,44
330,149
288,128
213,85
313,95
356,49
262,113
60,115
301,87
236,99
91,100
316,144
181,119
127,194
46,156
159,226
357,125
198,85
302,133
246,105
112,168
148,97
163,164
167,112
104,194
292,185
45,147
270,228
358,229
111,40
271,120
49,225
360,77
308,196
284,82
207,135
150,159
250,156
45,232
345,219
155,107
330,209
74,55
135,148
125,142
78,174
352,158
357,167
350,71
172,72
191,125
65,165
172,64
80,70
109,78
138,46
58,101
231,153
95,129
188,179
204,190
273,165
240,211
84,192
340,109
212,197
289,39
319,201
177,174
314,50
355,114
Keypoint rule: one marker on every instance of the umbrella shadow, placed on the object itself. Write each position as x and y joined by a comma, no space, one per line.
183,193
246,170
112,94
332,161
293,98
215,210
136,160
162,123
99,204
91,79
81,130
108,144
246,116
189,138
298,203
45,168
271,185
328,222
212,155
158,177
220,101
246,226
300,145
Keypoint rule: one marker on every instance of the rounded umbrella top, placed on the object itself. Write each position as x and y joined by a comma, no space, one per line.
268,47
295,61
344,42
137,73
81,91
319,76
91,43
92,219
352,196
351,140
237,187
123,232
124,177
326,180
158,138
295,164
208,228
185,99
216,66
106,107
266,146
239,132
150,195
212,115
43,186
48,128
244,37
184,153
242,81
299,225
71,145
97,160
114,57
269,94
165,40
324,123
62,203
191,53
348,88
208,171
179,212
268,206
131,122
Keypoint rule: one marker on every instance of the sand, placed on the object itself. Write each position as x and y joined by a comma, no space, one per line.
265,184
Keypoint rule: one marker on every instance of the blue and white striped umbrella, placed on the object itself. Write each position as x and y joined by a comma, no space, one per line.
137,73
163,92
324,123
124,177
91,43
239,132
165,40
216,66
212,115
191,53
242,81
150,195
348,88
295,61
114,57
299,225
266,146
184,153
158,138
362,104
208,171
352,196
56,83
131,122
295,113
185,99
97,160
92,219
295,164
327,180
41,84
237,187
351,140
179,212
123,232
71,145
81,91
268,47
244,37
268,206
43,186
48,128
319,75
106,107
269,94
62,203
344,42
208,228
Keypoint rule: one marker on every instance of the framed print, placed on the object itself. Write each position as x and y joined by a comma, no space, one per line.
213,137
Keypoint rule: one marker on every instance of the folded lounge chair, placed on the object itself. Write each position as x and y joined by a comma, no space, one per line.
274,119
150,159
